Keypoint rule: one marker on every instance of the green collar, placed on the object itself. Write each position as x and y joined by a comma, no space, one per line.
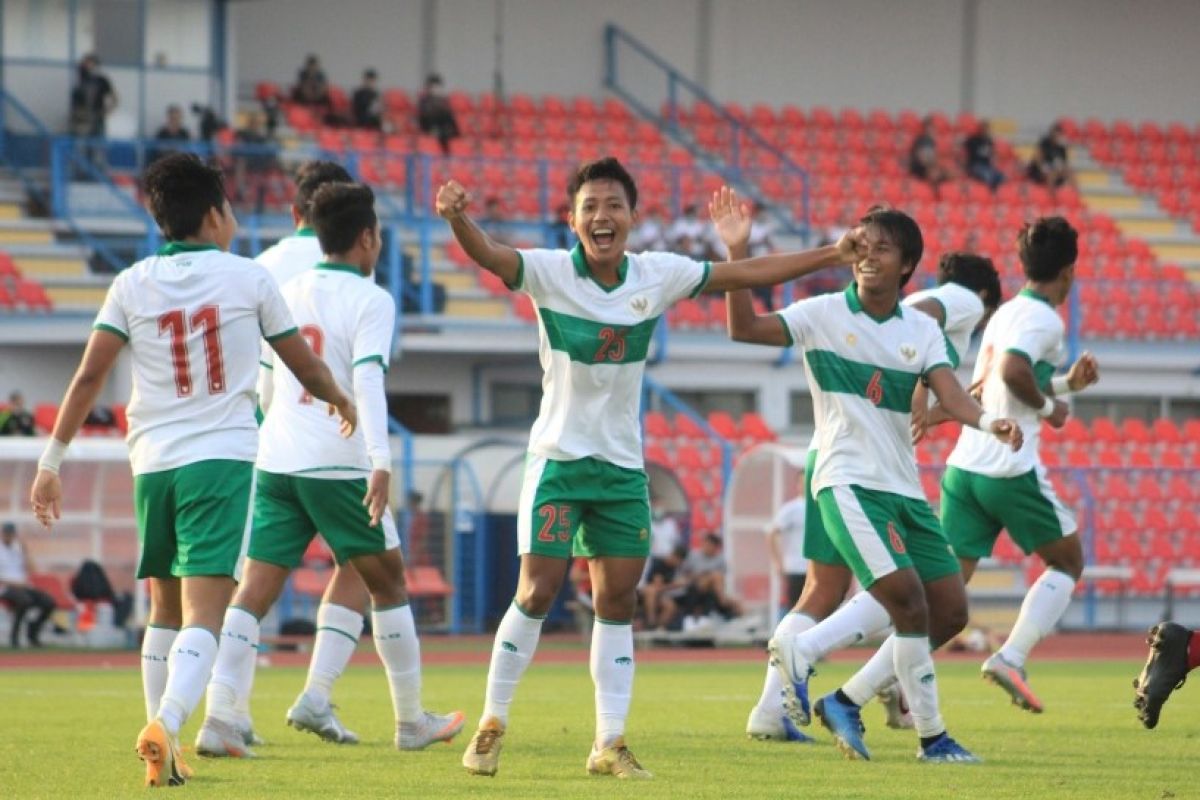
304,230
579,259
1032,295
174,248
333,266
856,305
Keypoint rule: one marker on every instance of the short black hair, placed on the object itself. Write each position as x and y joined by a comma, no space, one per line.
974,272
312,175
180,190
370,73
904,233
603,169
340,213
1047,247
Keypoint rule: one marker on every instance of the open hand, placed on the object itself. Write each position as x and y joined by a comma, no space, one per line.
345,409
376,498
731,217
46,497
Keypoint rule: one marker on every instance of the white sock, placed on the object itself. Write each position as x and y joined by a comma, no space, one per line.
877,673
190,666
914,670
516,642
1044,605
612,673
338,629
771,699
398,648
235,657
156,649
862,617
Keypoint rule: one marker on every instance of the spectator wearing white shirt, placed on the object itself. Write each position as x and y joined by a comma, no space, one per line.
15,589
785,544
666,545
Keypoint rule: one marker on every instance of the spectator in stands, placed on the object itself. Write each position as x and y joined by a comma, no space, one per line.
785,544
981,154
1050,165
702,579
92,100
493,222
254,160
172,130
15,420
666,552
434,114
366,105
312,88
15,589
561,234
651,234
687,235
762,244
923,161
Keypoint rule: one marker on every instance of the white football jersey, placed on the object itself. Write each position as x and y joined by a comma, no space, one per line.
861,373
291,255
962,310
193,317
789,520
1029,327
348,321
592,342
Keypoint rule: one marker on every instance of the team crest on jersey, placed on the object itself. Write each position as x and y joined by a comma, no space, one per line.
908,352
851,339
639,305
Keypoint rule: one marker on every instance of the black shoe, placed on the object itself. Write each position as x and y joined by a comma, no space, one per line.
1165,671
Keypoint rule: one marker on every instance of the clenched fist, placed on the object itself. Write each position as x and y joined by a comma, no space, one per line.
452,200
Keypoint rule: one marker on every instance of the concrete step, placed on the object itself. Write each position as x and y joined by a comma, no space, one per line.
1146,227
455,280
11,210
476,307
44,268
24,236
1187,254
1111,200
76,297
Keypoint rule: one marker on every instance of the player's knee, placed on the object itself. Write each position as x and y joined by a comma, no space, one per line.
819,598
909,612
1067,558
947,623
536,596
616,609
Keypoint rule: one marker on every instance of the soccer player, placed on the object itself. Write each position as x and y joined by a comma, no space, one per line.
310,479
192,316
988,487
584,483
864,355
1174,652
340,614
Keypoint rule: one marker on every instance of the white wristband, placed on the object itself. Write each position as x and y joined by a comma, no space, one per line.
52,456
1047,407
1060,385
985,421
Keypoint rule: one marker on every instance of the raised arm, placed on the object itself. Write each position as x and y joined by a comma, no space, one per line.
501,260
955,402
316,378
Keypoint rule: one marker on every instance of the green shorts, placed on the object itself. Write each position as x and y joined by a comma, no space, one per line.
193,520
588,506
878,533
817,544
290,509
975,507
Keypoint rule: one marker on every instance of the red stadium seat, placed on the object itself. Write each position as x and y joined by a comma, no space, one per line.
656,425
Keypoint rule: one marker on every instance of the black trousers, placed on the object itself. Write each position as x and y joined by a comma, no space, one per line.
22,599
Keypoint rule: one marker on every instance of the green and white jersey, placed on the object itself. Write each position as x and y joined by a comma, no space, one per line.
348,321
1028,326
193,317
593,342
291,255
962,310
861,373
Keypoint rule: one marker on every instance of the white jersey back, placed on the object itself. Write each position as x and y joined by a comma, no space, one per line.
861,373
1027,326
593,342
193,317
962,310
348,321
291,255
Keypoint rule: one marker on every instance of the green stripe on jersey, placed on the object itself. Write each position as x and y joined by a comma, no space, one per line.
1043,371
889,389
591,342
951,351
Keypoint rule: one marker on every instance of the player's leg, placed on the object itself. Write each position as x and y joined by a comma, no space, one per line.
546,523
1039,523
1174,652
162,626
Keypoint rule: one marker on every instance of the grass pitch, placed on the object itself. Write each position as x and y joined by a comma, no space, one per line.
71,734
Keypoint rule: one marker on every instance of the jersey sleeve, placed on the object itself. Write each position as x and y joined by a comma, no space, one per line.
113,316
682,277
963,309
274,317
535,274
797,320
1035,342
373,334
936,355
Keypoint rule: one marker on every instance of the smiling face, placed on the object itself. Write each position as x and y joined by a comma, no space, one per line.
602,219
879,268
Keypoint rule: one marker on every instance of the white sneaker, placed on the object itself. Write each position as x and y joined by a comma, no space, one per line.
773,726
896,707
220,739
795,670
306,716
428,729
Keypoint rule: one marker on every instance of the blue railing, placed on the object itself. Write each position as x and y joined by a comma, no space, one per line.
742,148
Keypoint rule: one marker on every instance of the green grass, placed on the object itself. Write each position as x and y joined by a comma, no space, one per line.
70,734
